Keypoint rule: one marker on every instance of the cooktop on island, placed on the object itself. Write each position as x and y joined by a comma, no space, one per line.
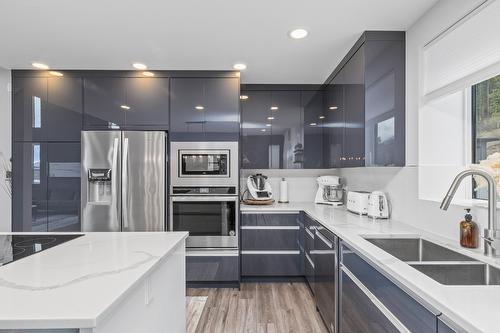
15,247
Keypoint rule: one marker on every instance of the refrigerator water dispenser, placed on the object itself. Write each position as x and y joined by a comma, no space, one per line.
99,186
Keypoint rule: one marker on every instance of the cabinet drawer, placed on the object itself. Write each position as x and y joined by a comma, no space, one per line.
270,219
411,313
214,268
309,271
358,313
271,263
270,238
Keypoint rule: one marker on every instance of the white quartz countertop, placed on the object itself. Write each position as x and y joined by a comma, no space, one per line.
77,283
474,308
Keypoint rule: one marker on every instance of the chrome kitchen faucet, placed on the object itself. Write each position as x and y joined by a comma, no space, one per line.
492,233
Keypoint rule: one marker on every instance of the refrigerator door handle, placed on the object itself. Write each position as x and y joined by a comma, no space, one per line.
115,180
125,184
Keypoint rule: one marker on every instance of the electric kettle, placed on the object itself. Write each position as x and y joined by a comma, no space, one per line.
378,206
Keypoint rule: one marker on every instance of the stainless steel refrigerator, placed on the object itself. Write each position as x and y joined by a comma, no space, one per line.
123,180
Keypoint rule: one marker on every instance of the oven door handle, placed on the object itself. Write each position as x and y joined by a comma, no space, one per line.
207,198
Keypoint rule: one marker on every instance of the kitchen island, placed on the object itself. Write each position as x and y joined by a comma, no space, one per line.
100,282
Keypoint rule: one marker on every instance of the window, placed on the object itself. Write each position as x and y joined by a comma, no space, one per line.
486,122
36,163
36,118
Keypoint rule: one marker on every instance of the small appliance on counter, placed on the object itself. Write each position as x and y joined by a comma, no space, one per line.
330,191
357,202
259,189
378,206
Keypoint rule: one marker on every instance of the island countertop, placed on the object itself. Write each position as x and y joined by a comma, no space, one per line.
473,308
75,284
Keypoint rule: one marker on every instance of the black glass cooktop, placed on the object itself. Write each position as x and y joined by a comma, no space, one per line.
15,247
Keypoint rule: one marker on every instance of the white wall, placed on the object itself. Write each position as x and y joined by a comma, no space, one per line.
402,184
5,145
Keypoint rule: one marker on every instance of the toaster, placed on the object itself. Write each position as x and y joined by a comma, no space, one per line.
357,202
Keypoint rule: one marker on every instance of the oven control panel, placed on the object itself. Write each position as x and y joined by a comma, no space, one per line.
212,190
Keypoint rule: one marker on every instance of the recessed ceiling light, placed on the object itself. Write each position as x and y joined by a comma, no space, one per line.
270,118
125,107
240,66
321,117
148,74
54,73
263,130
138,65
269,125
313,124
298,33
274,108
39,65
199,107
243,97
333,108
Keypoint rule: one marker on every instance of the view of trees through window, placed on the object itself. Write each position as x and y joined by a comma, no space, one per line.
486,120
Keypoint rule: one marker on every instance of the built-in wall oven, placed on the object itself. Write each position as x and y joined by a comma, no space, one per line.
204,196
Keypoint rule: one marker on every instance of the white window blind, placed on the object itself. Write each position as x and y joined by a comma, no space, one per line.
466,54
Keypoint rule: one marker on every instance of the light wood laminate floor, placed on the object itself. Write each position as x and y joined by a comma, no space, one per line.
259,308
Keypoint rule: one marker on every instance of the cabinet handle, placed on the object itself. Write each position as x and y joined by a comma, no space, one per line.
270,252
310,260
270,227
387,313
309,233
324,240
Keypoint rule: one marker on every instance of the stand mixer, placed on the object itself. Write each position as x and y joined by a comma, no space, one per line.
330,191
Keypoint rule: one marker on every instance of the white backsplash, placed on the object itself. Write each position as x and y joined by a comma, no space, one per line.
301,183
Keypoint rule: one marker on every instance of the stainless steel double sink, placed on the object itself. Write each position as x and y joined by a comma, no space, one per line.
439,263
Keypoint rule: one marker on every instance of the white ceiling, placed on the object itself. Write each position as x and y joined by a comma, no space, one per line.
196,34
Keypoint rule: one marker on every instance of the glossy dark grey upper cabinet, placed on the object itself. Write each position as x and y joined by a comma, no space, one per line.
126,103
46,109
104,103
204,109
255,134
314,119
352,81
333,124
148,99
63,186
385,103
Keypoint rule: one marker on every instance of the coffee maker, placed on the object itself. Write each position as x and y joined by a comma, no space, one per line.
259,187
330,191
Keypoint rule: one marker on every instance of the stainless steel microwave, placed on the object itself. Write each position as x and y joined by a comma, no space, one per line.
204,164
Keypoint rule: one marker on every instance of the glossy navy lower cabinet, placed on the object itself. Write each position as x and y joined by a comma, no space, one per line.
309,265
212,268
126,103
46,108
46,186
326,276
271,245
205,109
408,311
358,314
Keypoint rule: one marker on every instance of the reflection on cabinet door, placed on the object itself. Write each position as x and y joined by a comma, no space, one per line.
256,135
104,103
63,187
204,109
29,187
358,313
148,99
313,125
65,103
29,108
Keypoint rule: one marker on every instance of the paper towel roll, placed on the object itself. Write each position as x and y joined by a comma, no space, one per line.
283,190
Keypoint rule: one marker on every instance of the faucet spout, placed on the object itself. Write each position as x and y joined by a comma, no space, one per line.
493,227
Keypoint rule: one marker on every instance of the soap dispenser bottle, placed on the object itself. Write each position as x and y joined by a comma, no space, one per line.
469,235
